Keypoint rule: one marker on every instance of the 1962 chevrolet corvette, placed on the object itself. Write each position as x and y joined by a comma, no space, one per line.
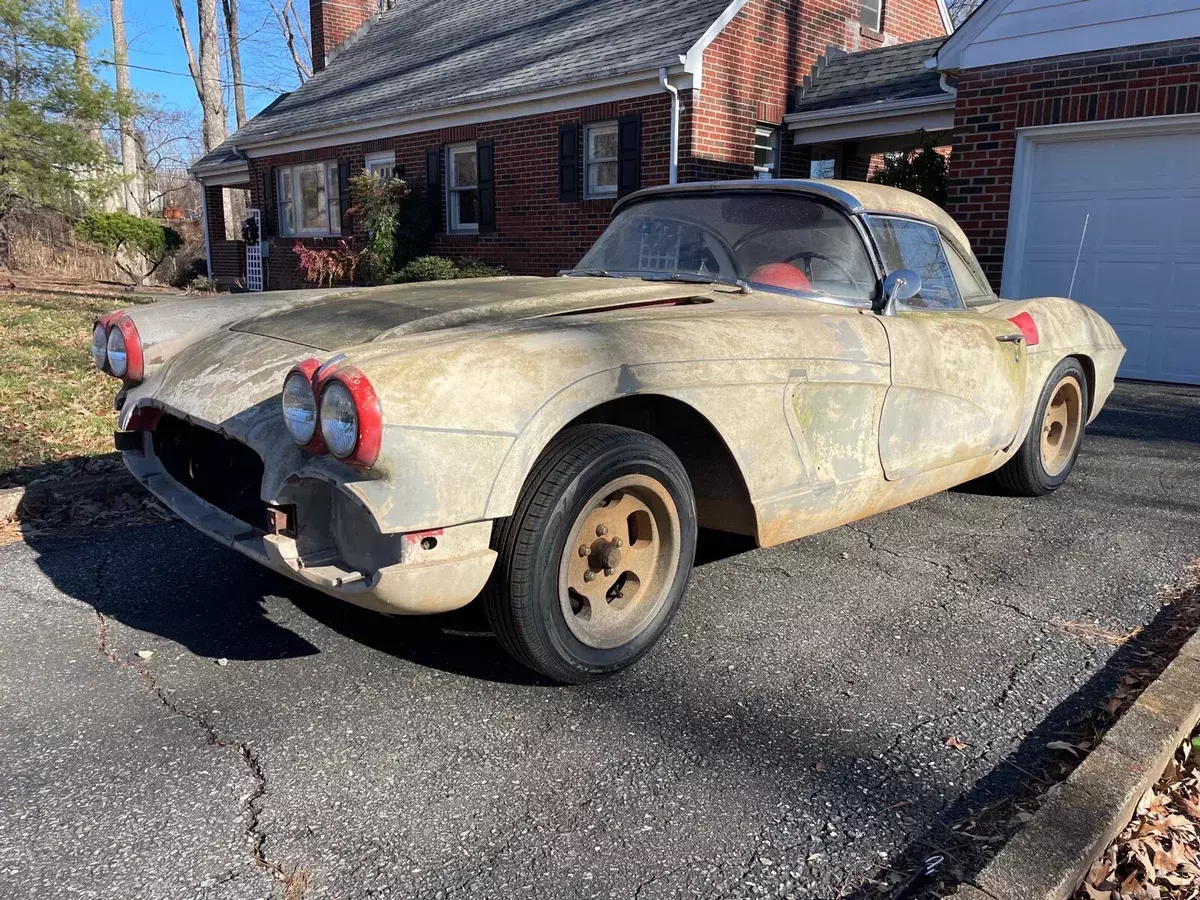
773,358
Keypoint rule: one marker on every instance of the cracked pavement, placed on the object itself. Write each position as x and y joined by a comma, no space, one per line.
787,737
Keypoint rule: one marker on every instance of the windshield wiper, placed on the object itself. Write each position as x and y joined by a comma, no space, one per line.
693,278
589,273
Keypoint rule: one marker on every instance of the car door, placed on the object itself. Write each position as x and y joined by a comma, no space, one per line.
957,376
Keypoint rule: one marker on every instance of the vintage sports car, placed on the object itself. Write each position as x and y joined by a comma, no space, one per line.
772,358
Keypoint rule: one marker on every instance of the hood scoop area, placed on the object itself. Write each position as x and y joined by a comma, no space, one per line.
645,304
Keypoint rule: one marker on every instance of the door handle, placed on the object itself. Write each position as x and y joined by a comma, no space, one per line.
1010,338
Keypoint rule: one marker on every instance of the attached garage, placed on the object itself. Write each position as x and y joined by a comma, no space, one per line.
1136,184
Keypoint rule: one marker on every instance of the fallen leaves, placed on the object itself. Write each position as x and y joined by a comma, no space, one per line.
1157,855
955,744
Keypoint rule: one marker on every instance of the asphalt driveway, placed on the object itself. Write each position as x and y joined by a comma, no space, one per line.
789,737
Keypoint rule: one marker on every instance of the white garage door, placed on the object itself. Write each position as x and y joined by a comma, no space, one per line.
1140,265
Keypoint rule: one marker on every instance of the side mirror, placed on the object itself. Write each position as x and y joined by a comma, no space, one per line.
901,285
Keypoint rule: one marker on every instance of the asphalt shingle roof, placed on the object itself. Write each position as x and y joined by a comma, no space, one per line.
872,76
426,54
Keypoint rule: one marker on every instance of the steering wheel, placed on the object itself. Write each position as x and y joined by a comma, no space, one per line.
808,256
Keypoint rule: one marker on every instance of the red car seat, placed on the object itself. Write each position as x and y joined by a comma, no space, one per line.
781,275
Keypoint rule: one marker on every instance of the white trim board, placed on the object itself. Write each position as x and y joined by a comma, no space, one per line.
868,120
1028,140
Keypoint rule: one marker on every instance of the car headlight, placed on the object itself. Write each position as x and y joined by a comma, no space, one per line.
118,358
299,407
339,420
99,345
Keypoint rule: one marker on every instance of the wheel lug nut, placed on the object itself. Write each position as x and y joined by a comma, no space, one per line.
608,570
584,550
601,530
616,542
589,575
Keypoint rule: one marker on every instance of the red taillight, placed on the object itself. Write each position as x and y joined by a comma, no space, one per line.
1024,321
134,365
368,407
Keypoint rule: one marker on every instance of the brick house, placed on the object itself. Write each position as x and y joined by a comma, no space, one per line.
1074,130
525,121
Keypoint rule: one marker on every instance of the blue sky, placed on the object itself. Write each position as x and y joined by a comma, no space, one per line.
154,43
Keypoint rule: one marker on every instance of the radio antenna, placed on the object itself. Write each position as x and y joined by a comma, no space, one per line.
1078,254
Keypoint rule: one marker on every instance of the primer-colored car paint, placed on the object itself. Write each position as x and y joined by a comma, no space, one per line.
829,412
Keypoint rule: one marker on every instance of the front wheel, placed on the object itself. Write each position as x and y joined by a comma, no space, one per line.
1048,453
594,561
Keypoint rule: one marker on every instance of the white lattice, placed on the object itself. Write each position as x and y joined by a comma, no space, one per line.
254,267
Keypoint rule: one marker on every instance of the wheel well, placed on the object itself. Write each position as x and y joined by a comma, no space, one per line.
722,498
1089,370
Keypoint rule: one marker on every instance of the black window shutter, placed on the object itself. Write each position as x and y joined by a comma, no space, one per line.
270,209
484,156
629,154
433,184
568,162
344,202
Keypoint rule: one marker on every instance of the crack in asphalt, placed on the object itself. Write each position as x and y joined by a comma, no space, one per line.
294,883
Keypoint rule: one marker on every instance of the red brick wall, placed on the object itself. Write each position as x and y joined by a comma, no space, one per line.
332,21
228,257
766,50
1130,82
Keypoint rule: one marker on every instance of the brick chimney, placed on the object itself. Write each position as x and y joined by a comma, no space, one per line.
332,21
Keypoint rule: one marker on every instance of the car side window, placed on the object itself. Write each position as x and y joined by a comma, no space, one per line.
968,282
906,244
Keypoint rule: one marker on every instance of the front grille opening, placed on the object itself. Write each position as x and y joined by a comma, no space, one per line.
224,472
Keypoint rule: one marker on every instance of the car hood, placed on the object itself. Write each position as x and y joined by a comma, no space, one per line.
359,317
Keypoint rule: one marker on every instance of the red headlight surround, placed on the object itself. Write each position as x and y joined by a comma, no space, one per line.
134,364
366,404
308,368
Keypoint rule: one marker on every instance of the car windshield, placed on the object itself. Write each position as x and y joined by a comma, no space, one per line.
774,241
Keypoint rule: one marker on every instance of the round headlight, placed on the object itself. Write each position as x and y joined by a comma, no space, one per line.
99,345
339,420
118,359
299,408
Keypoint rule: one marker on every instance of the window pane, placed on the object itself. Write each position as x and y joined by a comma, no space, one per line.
913,245
602,142
602,178
312,198
869,13
822,168
468,207
466,174
968,285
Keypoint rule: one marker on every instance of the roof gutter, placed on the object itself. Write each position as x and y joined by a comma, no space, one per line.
674,92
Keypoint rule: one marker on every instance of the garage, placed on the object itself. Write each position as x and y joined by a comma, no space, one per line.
1136,185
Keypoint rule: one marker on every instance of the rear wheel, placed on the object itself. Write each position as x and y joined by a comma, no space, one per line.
1048,453
594,561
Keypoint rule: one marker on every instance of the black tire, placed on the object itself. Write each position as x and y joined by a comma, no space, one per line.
522,600
1025,475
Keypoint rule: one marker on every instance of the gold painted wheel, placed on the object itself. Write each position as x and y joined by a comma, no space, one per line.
1062,426
620,561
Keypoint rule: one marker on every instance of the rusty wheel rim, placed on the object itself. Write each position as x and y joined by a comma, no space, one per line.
620,561
1061,426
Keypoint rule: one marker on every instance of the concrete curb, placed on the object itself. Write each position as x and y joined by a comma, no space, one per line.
29,500
1049,857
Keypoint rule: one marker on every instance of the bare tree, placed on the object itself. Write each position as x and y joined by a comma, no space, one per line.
233,42
125,111
285,15
207,75
83,66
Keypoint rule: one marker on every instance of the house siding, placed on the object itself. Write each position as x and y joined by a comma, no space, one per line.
1130,82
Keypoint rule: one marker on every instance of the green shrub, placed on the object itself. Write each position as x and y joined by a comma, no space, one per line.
428,268
125,236
923,171
477,268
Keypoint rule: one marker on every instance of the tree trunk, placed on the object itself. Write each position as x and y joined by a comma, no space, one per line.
129,155
83,69
233,40
206,75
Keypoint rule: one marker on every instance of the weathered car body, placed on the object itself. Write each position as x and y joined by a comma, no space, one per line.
791,414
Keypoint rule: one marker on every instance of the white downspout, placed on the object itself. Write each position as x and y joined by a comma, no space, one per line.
204,226
674,92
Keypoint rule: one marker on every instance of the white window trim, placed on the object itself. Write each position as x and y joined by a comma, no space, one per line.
589,161
878,25
386,159
453,226
770,133
331,197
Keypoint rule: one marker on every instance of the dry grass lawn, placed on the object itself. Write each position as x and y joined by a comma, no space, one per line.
54,404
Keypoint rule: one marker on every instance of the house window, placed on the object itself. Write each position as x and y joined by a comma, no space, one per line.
308,199
462,187
381,165
825,163
870,14
600,160
766,152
